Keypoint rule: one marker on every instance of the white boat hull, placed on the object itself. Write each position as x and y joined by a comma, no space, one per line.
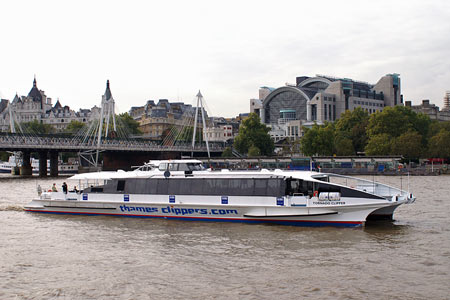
352,215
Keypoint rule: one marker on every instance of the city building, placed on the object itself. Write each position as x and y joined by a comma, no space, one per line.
156,118
446,101
322,98
36,106
222,130
430,110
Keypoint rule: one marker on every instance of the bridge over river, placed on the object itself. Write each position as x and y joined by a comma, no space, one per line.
117,153
109,135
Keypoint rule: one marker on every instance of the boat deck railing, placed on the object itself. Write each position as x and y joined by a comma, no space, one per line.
373,187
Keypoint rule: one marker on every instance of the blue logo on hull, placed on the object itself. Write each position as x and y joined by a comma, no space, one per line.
280,201
224,199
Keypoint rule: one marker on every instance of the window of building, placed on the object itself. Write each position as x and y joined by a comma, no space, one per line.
325,111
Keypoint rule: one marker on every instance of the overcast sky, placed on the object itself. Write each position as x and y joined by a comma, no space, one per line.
227,49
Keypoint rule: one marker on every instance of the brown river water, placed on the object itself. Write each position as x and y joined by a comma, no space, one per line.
98,257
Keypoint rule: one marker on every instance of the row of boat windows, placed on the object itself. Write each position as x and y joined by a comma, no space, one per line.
180,167
275,187
197,186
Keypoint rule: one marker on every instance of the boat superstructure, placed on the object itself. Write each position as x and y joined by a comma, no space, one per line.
184,189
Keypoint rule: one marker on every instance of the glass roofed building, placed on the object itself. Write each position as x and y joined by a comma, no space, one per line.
322,98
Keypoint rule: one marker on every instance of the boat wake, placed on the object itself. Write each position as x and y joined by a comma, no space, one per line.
11,208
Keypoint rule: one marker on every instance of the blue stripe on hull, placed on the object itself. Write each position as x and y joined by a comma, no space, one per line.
235,220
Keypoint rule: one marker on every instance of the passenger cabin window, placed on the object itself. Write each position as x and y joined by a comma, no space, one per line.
184,167
162,167
174,167
207,186
121,185
298,187
194,167
96,190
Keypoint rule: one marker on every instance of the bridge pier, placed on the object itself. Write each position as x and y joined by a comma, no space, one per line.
42,163
53,163
26,169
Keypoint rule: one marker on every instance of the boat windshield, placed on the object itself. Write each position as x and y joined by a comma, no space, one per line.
176,166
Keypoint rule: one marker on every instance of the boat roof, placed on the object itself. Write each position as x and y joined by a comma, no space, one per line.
110,175
175,161
225,173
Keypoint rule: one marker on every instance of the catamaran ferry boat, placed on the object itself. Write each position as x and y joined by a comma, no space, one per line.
185,190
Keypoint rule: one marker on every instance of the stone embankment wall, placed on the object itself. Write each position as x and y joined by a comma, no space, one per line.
426,170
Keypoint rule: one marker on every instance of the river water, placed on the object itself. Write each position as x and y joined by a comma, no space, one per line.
98,257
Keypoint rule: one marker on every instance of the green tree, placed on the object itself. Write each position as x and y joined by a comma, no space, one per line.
253,133
439,144
436,126
130,124
379,144
343,145
308,144
393,123
74,127
4,156
408,144
36,127
397,120
254,151
352,126
227,152
318,140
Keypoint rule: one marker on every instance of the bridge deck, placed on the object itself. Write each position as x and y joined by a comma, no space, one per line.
17,143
